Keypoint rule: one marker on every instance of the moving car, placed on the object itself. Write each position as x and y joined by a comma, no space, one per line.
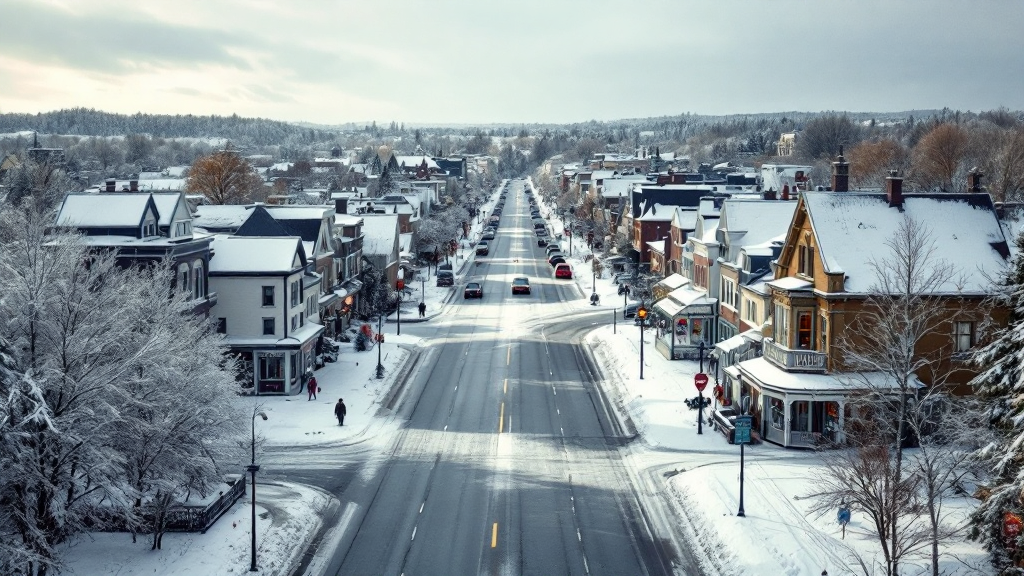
445,278
483,249
630,310
563,270
473,290
521,285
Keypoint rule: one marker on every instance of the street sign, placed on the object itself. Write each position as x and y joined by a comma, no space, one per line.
742,433
700,380
844,515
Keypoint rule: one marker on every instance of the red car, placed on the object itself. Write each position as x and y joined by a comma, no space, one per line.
563,271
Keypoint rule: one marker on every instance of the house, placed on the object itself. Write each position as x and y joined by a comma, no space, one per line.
801,388
144,228
268,309
652,225
381,246
743,223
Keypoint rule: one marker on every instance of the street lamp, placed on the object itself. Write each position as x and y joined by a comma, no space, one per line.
253,469
700,380
401,286
745,404
380,342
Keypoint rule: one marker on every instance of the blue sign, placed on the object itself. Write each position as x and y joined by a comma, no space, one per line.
742,433
844,515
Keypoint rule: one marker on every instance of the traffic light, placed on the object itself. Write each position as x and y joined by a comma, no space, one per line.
641,313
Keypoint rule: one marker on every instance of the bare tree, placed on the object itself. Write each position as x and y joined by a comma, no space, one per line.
870,162
884,348
224,177
1000,156
822,137
938,159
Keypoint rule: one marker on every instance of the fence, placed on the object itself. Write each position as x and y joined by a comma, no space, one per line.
200,518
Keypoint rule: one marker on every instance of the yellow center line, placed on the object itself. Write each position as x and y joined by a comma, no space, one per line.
501,419
494,536
506,387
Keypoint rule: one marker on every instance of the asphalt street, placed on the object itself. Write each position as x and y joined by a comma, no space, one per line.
507,460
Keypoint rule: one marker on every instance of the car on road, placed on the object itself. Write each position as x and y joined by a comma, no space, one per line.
445,278
622,278
630,310
556,260
521,285
488,235
541,241
473,290
563,270
483,249
724,420
553,247
540,232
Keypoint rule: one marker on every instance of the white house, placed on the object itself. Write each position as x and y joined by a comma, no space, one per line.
267,309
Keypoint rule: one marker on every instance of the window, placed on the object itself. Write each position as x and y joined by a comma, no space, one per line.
268,295
822,333
804,323
271,366
806,260
295,322
198,279
777,414
963,339
800,421
295,293
148,229
781,325
268,326
183,282
222,325
728,293
751,311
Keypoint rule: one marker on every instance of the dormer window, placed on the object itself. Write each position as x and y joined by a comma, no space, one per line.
149,228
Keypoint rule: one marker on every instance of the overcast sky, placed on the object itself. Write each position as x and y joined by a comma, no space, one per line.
512,61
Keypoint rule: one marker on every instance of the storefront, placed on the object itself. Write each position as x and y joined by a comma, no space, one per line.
800,410
685,319
279,366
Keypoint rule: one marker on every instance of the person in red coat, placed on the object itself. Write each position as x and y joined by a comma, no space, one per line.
312,386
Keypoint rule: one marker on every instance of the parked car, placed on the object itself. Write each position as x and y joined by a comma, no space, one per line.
630,310
556,260
622,278
541,241
553,247
445,278
483,249
473,290
724,420
563,270
445,266
488,235
540,232
521,285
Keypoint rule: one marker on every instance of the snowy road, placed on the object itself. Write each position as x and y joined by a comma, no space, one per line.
508,460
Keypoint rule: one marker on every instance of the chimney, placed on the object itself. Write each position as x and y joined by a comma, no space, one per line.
341,205
785,191
974,181
111,185
894,190
133,185
840,173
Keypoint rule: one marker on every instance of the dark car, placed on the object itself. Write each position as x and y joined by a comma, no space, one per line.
488,235
541,241
445,266
521,285
556,260
630,310
724,420
540,232
473,290
483,249
445,278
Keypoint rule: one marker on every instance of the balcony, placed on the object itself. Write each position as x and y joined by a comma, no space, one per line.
795,360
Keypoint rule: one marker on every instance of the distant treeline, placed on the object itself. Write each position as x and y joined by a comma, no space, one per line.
90,122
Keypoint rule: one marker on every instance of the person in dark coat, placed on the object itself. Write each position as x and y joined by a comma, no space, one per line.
423,309
312,387
340,411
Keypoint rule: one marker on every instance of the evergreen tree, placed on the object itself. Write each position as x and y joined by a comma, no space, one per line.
1001,385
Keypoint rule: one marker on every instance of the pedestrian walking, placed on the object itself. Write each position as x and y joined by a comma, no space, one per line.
423,309
340,411
312,386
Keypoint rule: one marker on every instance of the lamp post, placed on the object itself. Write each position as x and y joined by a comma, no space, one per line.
745,404
423,288
380,341
700,380
253,469
401,286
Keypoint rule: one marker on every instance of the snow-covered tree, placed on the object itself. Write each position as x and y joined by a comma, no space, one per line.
85,342
1001,385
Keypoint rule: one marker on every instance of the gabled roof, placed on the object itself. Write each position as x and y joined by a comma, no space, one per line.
851,230
256,255
167,203
107,210
656,213
217,217
754,222
261,223
380,233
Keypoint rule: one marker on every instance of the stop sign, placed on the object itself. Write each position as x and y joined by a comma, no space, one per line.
700,381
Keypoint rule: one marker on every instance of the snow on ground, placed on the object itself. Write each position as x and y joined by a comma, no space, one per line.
287,517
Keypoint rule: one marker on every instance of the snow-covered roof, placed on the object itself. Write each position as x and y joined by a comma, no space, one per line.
379,233
405,243
774,377
752,222
657,246
681,298
602,174
347,220
166,204
657,213
791,283
299,212
114,210
684,219
619,186
852,229
221,216
413,161
255,254
673,281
